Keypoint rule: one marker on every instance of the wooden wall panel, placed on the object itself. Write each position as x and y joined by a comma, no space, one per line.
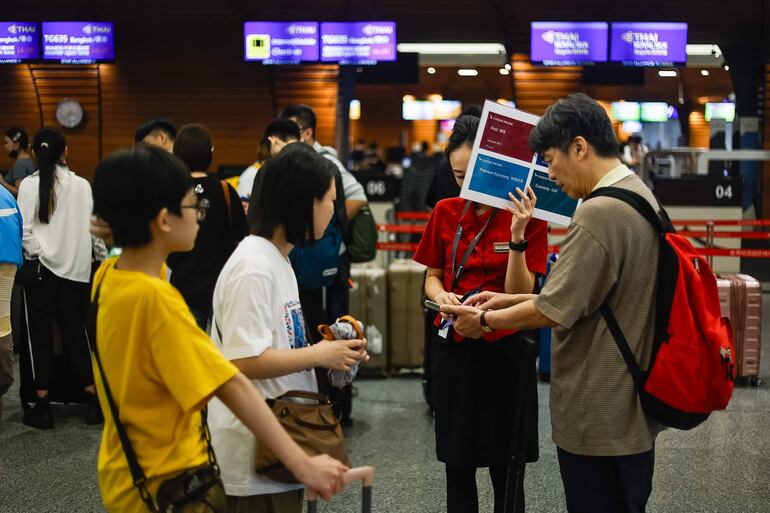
54,83
314,85
18,104
537,87
423,131
700,130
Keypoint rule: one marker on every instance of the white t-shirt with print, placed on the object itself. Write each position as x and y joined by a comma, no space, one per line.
256,307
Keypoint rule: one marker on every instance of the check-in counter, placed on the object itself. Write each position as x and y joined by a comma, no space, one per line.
697,197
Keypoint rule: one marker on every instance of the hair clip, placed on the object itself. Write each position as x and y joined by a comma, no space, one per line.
44,145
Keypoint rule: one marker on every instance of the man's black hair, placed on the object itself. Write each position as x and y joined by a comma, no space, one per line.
570,117
193,146
284,191
282,128
155,125
472,110
132,186
304,113
464,132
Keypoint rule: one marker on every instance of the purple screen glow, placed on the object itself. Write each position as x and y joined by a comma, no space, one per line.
565,43
358,43
649,44
78,42
281,42
19,42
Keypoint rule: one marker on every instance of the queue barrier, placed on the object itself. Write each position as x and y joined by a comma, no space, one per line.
710,234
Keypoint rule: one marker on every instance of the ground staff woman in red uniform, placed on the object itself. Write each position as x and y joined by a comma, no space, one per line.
475,380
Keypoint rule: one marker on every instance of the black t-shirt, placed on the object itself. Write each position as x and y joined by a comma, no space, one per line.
195,273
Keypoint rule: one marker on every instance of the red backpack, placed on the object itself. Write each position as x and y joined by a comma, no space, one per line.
692,368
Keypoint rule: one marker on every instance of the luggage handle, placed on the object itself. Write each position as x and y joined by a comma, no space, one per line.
364,474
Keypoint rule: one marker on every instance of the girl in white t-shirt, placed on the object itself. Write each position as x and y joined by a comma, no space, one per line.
259,324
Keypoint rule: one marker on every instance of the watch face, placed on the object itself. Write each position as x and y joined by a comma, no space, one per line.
69,113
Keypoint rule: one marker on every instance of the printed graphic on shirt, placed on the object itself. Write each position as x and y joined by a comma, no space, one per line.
295,324
199,189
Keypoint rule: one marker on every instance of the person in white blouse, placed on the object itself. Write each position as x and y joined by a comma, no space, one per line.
56,205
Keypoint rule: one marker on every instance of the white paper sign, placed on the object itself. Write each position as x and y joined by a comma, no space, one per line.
501,161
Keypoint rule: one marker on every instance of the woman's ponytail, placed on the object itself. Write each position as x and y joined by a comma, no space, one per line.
49,145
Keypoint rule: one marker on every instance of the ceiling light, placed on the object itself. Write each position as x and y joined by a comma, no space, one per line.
452,48
408,98
504,71
431,71
704,72
727,68
354,112
508,67
467,72
436,98
667,73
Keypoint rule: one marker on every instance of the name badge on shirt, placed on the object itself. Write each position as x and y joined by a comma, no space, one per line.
501,247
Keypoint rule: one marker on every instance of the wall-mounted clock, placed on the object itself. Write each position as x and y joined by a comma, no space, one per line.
69,113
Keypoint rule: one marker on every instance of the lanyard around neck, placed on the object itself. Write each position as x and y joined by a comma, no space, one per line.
457,272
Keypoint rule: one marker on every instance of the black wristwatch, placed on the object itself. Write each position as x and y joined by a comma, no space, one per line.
486,328
518,246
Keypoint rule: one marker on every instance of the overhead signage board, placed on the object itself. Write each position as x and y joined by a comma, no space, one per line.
78,42
281,42
19,42
366,42
649,44
556,43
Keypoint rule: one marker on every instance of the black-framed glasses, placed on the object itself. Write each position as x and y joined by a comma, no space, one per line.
201,206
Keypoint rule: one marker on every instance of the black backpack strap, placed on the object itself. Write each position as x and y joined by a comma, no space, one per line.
137,474
622,343
662,225
659,220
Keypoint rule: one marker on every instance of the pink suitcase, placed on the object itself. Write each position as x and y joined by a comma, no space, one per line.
740,296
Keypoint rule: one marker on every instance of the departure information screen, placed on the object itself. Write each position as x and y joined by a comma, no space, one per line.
281,42
568,44
358,43
19,42
649,44
78,42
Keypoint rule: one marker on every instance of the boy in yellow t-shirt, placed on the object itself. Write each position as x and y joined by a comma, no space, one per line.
161,368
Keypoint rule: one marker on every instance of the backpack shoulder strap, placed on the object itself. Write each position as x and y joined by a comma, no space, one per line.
659,221
228,202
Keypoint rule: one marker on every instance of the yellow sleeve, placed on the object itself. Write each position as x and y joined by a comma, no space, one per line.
191,367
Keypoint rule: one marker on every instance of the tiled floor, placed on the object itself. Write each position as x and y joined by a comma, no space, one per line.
722,466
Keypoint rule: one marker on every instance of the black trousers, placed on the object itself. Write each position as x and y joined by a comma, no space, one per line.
54,298
462,495
607,484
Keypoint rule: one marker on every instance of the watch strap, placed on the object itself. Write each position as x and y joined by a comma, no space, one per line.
518,246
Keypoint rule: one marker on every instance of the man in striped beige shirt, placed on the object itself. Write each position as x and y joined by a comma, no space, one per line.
605,442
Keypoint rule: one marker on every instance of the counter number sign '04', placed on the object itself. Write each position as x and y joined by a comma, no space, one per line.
723,192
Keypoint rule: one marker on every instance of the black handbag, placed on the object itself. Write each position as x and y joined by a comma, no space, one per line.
195,490
29,273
